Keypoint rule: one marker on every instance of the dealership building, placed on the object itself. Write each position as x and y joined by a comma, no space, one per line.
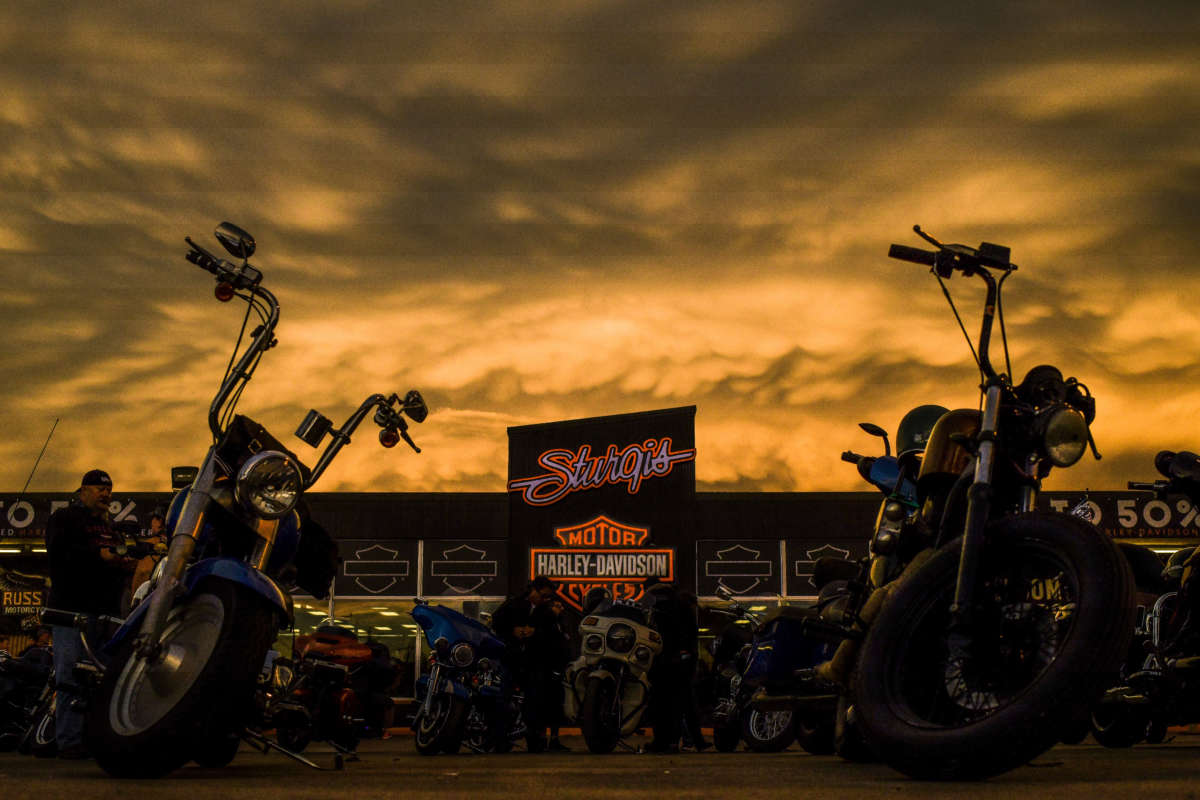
606,501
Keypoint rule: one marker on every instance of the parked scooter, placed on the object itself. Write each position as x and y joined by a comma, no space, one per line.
468,695
608,685
183,669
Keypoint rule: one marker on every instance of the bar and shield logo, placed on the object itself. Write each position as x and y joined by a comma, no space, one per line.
602,552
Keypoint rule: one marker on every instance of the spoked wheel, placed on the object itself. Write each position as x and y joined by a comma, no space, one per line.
768,731
149,715
441,729
1051,621
600,716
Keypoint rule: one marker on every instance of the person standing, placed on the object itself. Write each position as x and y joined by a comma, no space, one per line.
517,626
553,645
87,575
673,669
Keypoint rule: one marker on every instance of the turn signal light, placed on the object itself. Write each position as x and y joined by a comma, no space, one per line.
224,291
389,437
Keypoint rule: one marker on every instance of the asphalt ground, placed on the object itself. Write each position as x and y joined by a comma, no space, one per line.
392,768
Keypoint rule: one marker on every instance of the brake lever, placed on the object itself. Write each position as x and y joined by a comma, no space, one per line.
404,435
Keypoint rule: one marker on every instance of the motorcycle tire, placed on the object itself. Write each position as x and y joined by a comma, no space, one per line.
1156,731
39,740
293,739
727,737
138,730
1054,607
442,729
814,733
848,742
218,752
1118,726
767,731
599,718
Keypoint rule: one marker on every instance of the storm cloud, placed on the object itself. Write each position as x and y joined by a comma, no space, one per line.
536,212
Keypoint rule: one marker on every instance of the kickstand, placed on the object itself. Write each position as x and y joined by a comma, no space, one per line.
350,755
626,745
265,745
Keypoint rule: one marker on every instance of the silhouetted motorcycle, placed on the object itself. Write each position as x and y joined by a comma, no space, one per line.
183,668
468,696
757,686
1007,623
328,690
608,686
1164,689
23,683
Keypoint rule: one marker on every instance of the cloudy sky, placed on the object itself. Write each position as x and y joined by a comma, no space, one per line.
538,211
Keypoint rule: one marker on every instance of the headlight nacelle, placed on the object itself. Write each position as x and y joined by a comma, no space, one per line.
269,484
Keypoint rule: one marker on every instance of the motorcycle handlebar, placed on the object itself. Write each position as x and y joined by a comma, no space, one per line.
851,457
913,254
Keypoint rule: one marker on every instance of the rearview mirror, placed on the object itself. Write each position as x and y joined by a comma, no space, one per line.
414,406
875,430
238,242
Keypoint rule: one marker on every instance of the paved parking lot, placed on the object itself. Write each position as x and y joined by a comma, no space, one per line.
392,768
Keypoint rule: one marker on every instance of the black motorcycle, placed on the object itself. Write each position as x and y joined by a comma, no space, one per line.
23,686
1005,623
1162,685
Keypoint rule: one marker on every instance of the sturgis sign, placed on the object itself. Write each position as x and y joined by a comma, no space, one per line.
602,553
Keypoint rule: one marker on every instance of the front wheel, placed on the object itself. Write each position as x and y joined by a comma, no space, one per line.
151,716
441,729
767,731
1051,620
600,716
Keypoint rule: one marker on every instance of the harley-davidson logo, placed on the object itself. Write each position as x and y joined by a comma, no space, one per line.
604,553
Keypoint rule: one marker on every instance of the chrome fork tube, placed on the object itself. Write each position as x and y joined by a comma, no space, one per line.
179,552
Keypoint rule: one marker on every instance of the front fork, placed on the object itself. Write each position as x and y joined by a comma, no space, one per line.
435,676
979,506
179,553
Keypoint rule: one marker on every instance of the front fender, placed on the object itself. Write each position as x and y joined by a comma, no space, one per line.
228,569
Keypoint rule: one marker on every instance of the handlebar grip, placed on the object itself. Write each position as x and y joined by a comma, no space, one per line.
851,457
65,619
913,254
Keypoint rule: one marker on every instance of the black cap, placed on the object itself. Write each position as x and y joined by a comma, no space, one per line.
96,477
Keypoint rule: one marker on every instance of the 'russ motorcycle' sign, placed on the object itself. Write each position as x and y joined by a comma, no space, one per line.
602,501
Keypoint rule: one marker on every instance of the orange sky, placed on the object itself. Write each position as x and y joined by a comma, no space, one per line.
536,212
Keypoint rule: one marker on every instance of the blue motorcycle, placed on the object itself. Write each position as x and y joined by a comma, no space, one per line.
467,697
181,672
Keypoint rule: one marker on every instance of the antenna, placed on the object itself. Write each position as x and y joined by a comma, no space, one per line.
21,496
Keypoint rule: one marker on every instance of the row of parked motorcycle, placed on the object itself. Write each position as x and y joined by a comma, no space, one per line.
979,632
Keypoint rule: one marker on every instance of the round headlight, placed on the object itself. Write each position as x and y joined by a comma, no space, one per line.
594,642
462,654
269,484
1066,437
621,638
